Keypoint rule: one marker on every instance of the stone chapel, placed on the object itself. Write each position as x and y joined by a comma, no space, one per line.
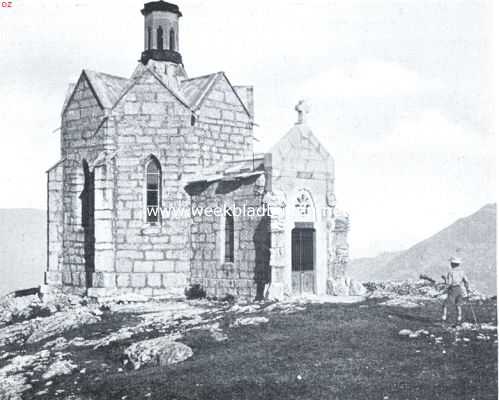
161,139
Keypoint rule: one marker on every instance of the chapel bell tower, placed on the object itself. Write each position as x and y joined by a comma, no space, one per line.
161,41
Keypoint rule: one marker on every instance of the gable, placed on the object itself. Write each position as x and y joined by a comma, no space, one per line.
82,96
105,88
300,150
150,88
148,95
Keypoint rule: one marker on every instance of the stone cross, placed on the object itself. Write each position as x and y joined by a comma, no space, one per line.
302,108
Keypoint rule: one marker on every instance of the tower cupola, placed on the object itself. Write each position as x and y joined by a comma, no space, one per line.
161,42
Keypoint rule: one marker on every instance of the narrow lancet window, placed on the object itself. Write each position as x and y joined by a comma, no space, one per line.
172,40
229,238
153,191
159,38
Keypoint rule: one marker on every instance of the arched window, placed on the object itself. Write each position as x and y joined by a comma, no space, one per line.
229,237
153,190
149,38
159,38
172,39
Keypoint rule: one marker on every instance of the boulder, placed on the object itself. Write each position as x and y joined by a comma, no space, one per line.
250,321
356,288
161,351
59,323
58,368
338,287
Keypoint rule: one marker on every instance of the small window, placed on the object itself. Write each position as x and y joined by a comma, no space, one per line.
172,40
87,197
149,38
153,191
229,238
159,38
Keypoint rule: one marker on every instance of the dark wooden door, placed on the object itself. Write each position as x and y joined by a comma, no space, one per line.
88,222
302,260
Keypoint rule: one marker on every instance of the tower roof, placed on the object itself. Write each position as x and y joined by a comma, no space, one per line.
160,6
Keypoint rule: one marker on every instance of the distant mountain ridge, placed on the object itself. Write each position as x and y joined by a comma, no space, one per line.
472,238
23,234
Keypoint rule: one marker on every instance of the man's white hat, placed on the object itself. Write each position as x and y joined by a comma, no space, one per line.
455,260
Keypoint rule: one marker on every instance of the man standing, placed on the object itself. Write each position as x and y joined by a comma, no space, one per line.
455,295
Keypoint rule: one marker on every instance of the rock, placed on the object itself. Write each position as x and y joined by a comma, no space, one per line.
400,302
356,288
38,329
58,368
219,336
249,321
338,286
16,334
405,332
13,386
14,376
57,344
161,351
250,308
61,322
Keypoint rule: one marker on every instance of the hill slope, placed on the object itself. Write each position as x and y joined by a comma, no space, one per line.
22,248
474,237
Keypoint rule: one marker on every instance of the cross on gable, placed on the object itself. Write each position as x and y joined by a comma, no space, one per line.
302,108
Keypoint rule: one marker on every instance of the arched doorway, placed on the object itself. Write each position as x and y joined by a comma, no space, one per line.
87,198
303,245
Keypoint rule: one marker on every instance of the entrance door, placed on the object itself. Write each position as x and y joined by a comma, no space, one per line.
88,221
302,262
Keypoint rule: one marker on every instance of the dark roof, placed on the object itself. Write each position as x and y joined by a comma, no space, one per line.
160,6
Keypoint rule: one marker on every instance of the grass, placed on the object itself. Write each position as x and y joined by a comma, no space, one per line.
328,351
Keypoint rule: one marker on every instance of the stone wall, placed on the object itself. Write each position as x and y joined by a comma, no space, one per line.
247,276
148,121
299,164
224,130
55,214
82,138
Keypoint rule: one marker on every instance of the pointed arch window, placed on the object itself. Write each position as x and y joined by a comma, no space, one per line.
159,38
87,196
229,237
149,38
153,190
172,39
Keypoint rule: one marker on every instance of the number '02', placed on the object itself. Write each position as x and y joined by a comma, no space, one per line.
6,4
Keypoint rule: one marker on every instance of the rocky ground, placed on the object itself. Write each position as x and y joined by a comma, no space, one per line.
68,347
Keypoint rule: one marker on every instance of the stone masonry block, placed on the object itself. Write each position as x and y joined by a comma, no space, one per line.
154,280
143,266
104,279
138,280
123,280
164,266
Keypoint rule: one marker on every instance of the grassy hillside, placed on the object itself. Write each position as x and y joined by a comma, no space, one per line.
323,351
22,248
473,238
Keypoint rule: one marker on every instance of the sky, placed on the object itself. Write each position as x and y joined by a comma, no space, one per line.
400,93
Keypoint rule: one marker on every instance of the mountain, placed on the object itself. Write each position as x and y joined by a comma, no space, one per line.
472,238
23,235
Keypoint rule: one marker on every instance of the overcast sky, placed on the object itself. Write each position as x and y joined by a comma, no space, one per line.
400,94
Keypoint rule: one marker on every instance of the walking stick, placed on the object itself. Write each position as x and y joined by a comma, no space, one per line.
474,315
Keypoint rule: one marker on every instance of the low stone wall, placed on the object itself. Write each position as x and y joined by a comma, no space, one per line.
249,273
